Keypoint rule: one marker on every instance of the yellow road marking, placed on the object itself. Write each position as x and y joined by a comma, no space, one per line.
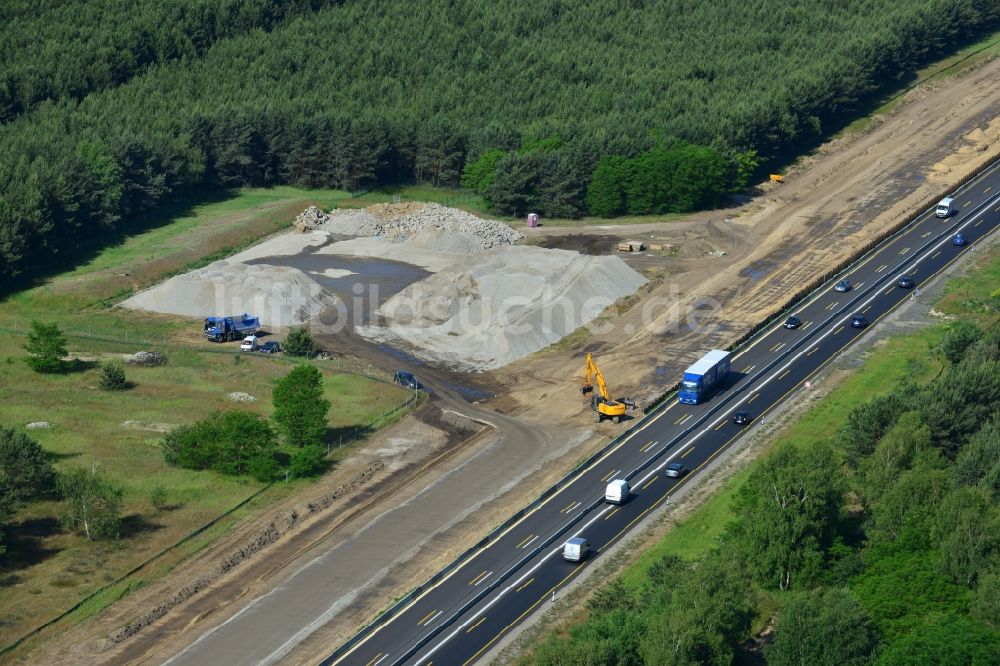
530,581
866,309
805,324
755,396
685,419
987,190
685,454
721,425
611,513
904,250
782,375
997,209
572,506
977,223
649,483
647,447
778,348
610,474
812,351
481,620
832,305
884,266
528,538
748,369
967,203
473,581
427,617
886,292
926,235
838,330
374,659
859,285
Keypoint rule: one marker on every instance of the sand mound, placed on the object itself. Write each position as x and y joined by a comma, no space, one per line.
280,296
488,310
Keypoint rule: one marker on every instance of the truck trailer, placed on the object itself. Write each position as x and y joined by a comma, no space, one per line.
704,377
224,329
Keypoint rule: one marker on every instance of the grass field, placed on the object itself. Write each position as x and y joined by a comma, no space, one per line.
46,570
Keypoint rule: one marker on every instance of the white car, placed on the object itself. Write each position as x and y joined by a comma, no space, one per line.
249,343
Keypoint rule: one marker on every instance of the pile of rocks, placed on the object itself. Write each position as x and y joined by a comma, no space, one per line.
433,225
309,219
147,358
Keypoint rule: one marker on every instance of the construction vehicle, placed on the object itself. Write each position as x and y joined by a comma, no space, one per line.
224,329
602,403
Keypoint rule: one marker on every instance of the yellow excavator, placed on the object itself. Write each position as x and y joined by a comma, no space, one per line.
602,403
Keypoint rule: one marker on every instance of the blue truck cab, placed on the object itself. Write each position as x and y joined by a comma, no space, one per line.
704,377
224,329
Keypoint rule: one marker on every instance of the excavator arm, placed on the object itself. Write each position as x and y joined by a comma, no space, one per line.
593,373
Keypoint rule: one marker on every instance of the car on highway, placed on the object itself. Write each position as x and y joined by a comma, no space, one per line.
793,322
741,418
842,286
270,347
859,321
906,282
959,240
676,470
576,549
407,379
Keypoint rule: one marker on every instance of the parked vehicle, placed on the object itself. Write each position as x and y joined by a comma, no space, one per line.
741,418
905,282
959,240
704,377
226,329
945,207
793,322
407,379
617,492
249,343
676,470
843,286
576,549
859,321
270,347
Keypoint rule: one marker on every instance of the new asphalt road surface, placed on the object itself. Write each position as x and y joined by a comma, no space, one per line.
461,617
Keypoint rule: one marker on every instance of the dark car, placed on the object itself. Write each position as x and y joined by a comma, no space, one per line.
269,347
859,321
959,240
407,379
842,286
676,470
741,418
905,282
793,322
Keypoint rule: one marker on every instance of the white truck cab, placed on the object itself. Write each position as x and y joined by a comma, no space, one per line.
617,492
249,343
944,207
576,549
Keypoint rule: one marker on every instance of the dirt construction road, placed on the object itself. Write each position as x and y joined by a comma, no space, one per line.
831,204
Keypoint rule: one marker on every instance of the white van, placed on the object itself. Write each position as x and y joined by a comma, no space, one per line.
944,208
249,343
617,492
576,549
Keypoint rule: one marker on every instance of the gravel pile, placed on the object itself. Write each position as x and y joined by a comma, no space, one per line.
431,226
146,358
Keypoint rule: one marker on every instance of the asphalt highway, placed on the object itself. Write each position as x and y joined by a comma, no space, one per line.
464,615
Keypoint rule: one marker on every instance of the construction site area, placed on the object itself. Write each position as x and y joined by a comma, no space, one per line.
498,322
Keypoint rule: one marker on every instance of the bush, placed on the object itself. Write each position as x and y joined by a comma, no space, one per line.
113,377
310,460
46,348
299,342
228,442
25,466
299,406
93,504
158,497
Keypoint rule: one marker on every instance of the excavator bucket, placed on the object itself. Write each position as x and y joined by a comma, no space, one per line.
587,388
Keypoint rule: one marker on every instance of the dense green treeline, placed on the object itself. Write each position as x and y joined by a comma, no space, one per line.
687,96
881,546
58,50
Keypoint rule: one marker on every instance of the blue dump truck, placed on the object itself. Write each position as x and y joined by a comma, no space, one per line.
704,377
224,329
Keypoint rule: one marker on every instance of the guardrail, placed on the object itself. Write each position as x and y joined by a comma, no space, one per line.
650,409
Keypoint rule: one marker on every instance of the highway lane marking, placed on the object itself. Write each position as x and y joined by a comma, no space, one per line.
813,351
755,396
865,311
997,209
927,234
646,425
526,540
427,617
859,285
683,420
987,190
934,256
904,250
884,266
429,620
481,620
967,203
647,447
747,369
777,347
377,659
570,507
531,609
977,224
648,483
525,585
782,376
611,473
722,424
805,325
475,579
684,455
888,291
832,305
838,330
617,509
530,541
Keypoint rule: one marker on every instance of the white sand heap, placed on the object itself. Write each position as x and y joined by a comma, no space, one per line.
431,226
490,309
280,296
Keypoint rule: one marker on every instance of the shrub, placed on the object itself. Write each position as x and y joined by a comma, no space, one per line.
113,377
299,342
310,460
299,406
93,504
227,442
25,466
46,348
